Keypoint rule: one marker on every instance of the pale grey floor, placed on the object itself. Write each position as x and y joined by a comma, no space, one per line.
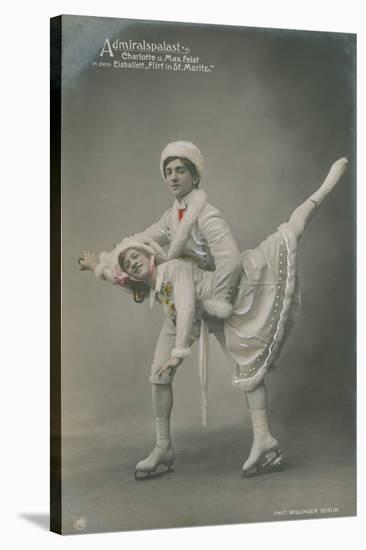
206,487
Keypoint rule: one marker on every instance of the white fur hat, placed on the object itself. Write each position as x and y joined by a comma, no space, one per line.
183,149
151,248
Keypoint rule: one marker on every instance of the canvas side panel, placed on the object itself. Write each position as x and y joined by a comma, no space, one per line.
55,255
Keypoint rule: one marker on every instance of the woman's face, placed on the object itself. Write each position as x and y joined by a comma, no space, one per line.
136,264
179,178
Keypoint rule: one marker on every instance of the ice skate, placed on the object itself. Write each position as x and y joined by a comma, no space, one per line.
149,465
270,461
264,456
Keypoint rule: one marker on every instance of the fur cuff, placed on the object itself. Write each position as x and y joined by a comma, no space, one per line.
180,353
99,272
219,309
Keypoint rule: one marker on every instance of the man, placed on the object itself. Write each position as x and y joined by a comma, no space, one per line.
194,228
191,228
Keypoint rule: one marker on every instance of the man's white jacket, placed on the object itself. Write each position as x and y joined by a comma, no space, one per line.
201,234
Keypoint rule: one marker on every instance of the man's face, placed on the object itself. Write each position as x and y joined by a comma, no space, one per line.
136,264
179,178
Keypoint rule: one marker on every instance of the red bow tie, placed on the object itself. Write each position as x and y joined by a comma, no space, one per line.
181,213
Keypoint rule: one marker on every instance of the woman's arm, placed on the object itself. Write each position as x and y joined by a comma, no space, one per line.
179,274
103,266
184,300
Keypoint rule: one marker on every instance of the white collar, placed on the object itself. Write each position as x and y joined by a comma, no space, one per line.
184,201
196,201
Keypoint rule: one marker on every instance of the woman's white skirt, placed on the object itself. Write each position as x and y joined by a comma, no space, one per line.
266,301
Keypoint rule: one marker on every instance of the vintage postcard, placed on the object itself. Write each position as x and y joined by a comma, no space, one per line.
203,274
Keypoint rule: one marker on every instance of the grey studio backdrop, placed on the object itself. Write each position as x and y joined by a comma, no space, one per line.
275,112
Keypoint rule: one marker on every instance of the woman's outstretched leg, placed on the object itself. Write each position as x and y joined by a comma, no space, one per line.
263,440
163,453
303,214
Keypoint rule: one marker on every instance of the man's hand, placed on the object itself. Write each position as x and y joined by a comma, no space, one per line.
88,260
172,364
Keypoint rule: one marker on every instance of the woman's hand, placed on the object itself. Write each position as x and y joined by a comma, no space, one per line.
88,260
172,364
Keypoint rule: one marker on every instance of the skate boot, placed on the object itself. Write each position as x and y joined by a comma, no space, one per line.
265,455
149,465
162,453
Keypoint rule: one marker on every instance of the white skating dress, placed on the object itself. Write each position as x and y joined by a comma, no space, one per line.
264,301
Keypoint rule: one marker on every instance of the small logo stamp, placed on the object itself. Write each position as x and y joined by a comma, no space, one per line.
79,523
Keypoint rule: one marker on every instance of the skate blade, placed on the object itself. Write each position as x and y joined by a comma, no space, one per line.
148,476
272,461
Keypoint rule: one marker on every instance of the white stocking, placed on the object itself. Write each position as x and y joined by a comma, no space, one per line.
162,397
263,441
303,214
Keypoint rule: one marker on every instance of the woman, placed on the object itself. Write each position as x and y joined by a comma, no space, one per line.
263,302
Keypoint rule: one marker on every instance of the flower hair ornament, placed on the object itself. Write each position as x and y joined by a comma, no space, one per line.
121,278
